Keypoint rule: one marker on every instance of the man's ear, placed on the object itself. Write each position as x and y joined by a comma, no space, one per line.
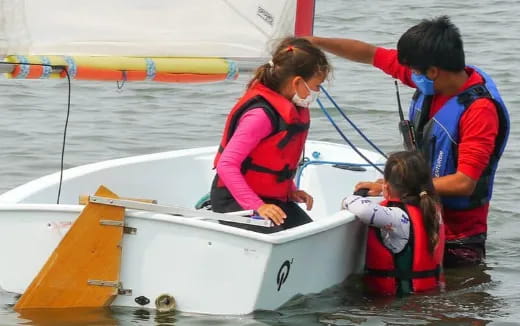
432,72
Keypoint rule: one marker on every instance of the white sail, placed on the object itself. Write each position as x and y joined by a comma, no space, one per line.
158,28
161,40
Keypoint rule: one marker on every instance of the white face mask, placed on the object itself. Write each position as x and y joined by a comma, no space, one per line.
306,102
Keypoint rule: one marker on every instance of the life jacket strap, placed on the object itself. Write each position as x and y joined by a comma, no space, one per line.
404,275
292,129
470,95
285,174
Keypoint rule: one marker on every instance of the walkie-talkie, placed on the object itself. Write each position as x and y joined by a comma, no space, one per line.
405,126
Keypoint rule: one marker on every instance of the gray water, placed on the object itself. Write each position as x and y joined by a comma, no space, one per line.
143,118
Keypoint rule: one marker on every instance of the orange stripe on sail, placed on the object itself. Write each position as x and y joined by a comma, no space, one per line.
188,78
35,72
86,73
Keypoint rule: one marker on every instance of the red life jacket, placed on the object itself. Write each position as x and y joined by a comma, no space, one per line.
382,273
271,166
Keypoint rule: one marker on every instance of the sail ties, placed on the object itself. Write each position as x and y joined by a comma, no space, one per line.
232,70
71,66
47,69
150,69
24,69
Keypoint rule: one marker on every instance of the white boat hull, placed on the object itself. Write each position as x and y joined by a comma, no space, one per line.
207,267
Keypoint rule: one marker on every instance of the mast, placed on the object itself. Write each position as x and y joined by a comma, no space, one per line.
304,17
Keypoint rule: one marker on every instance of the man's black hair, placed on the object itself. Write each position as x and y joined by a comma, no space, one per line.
436,42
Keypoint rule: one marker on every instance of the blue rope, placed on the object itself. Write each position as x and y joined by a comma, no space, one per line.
305,164
345,137
352,123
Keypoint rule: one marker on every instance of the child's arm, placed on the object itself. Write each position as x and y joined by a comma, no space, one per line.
253,126
389,218
393,221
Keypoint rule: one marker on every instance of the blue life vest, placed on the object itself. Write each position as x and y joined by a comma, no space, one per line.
438,137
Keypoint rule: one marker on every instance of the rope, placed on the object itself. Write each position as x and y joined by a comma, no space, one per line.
352,123
346,139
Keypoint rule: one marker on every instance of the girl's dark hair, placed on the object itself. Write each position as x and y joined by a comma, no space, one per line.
409,175
436,42
292,57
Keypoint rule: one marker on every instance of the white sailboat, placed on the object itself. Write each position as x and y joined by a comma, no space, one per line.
170,251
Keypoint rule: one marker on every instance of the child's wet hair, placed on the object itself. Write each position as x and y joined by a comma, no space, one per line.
292,57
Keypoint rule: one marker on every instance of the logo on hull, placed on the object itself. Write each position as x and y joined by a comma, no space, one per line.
283,273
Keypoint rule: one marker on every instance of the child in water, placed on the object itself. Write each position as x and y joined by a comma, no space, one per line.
405,241
264,136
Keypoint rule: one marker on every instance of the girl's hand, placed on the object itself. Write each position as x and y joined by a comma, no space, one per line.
374,188
301,196
272,212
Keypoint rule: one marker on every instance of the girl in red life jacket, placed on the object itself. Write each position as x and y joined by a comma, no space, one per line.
264,136
405,241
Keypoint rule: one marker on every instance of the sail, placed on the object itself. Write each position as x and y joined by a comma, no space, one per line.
224,29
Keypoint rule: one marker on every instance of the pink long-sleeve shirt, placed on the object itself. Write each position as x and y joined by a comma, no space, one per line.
252,127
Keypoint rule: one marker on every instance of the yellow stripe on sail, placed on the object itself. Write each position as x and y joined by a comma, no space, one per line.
170,65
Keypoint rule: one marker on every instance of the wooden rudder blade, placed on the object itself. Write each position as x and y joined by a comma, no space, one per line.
83,271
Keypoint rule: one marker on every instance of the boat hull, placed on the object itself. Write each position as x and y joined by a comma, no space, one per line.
205,266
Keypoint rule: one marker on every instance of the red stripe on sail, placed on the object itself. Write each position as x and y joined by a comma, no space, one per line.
304,18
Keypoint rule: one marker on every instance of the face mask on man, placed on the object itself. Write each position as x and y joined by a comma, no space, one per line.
423,83
306,102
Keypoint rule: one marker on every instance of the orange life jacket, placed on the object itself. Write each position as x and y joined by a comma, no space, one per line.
383,275
271,166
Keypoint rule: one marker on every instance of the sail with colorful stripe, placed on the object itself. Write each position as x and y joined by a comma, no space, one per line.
160,40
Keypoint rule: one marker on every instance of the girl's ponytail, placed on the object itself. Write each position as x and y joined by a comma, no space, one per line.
431,216
266,75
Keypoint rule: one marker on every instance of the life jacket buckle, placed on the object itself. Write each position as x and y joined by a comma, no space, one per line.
286,174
